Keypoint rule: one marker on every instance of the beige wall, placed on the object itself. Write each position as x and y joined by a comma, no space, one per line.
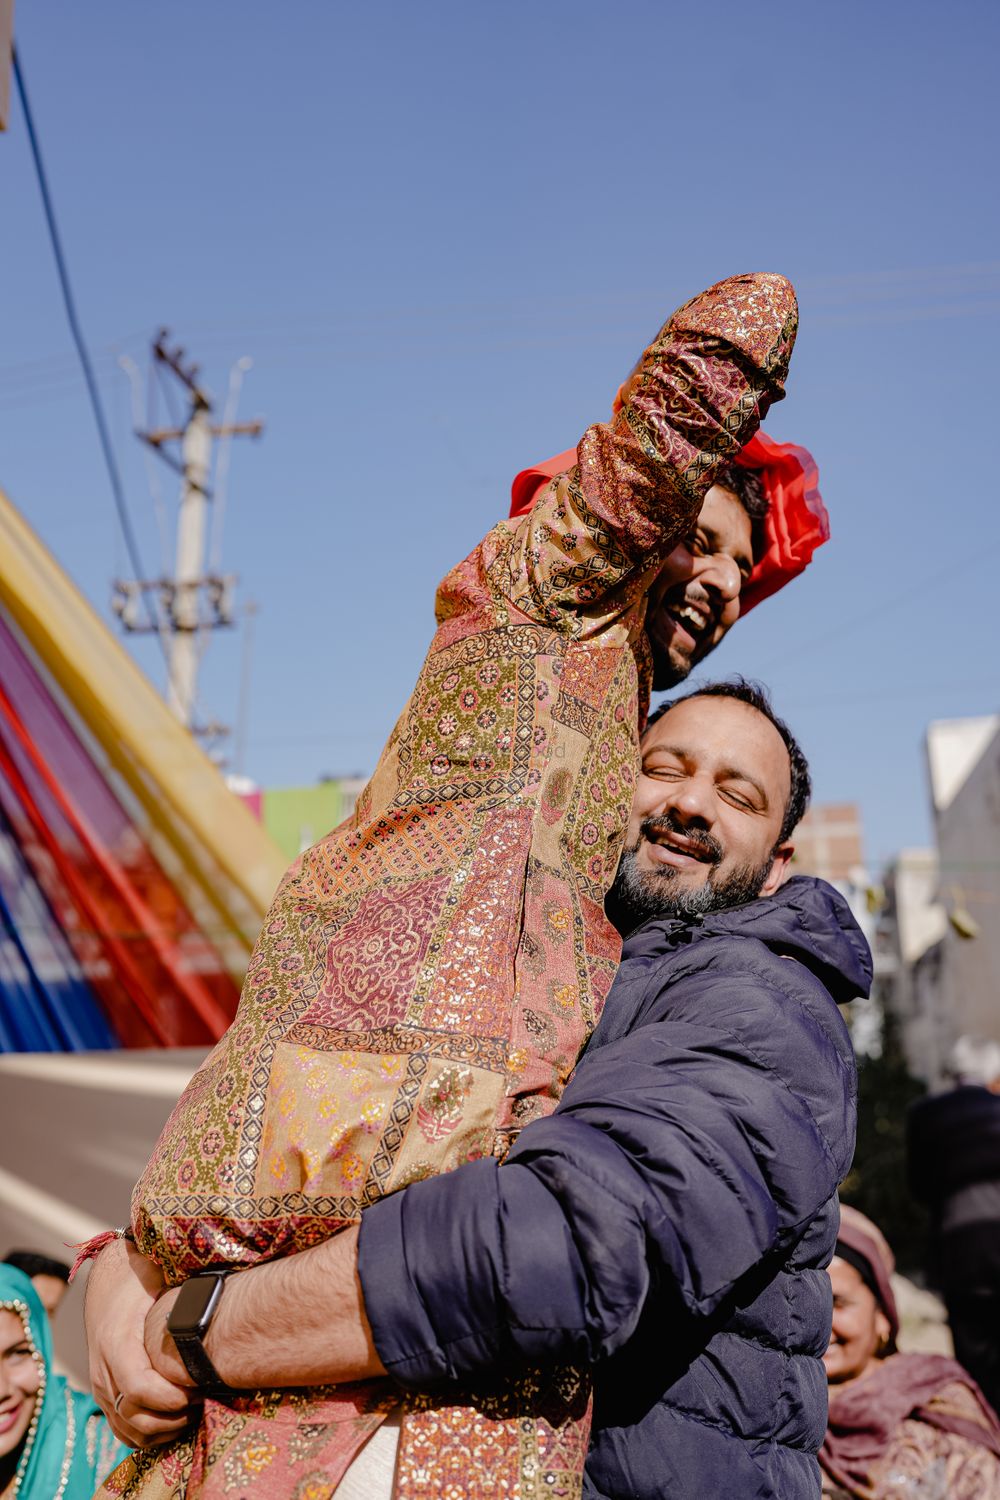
75,1132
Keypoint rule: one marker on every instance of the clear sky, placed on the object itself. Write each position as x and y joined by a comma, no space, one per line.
443,231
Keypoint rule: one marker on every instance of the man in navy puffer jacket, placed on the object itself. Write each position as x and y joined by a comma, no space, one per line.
668,1225
670,1222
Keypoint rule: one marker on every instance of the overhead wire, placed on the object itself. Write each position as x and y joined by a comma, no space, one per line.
131,369
221,485
104,436
863,620
930,292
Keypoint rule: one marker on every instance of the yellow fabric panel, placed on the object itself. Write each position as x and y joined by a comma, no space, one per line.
222,859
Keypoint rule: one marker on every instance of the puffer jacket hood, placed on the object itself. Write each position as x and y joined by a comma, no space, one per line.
806,919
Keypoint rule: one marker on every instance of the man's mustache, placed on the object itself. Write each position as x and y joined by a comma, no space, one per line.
706,844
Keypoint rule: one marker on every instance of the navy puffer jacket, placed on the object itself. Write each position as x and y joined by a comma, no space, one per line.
669,1223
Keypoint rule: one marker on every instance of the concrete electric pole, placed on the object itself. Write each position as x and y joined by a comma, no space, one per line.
193,601
196,457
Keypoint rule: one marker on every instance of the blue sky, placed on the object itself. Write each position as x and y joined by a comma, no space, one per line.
443,232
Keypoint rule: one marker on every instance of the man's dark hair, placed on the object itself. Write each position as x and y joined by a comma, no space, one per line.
756,696
748,487
34,1264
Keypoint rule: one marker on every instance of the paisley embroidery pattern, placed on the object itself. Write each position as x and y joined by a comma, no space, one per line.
429,972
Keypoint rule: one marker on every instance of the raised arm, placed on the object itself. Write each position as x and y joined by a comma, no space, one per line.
595,539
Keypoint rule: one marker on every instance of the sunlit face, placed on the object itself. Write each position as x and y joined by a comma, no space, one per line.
860,1327
19,1382
696,597
719,771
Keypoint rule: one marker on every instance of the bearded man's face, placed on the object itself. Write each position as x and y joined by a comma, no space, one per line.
640,893
707,814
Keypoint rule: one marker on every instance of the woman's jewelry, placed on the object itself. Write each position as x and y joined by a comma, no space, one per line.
118,1402
18,1306
67,1462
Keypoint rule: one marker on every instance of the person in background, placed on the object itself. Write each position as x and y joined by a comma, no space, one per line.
49,1277
953,1157
901,1426
55,1444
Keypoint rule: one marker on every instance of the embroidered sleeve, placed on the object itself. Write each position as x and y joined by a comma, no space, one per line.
587,549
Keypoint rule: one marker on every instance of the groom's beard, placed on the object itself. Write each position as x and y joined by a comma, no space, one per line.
638,895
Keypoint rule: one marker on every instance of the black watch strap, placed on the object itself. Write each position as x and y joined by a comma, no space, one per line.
201,1369
188,1324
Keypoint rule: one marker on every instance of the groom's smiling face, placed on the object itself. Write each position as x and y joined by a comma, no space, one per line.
696,597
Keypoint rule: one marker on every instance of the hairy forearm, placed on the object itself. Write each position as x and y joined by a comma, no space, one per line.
295,1321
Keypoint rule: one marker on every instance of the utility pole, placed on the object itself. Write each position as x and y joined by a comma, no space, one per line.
193,601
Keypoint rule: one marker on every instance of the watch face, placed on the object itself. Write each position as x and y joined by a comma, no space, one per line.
192,1312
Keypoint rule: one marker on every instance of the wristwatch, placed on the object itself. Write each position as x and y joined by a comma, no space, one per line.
189,1322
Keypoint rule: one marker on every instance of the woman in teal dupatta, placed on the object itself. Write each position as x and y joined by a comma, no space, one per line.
54,1442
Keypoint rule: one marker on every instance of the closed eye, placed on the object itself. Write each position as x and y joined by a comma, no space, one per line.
744,795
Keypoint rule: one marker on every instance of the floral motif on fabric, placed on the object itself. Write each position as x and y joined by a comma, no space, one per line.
555,793
339,1125
483,798
469,987
465,732
554,987
441,1108
593,831
372,963
260,1447
467,1451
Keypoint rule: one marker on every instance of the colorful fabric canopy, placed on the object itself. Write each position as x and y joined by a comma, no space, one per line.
132,881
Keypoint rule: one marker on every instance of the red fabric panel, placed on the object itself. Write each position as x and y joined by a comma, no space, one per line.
159,978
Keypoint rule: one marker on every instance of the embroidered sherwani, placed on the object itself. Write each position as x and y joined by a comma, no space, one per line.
428,973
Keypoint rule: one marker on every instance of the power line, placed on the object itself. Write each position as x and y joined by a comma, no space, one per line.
78,339
863,620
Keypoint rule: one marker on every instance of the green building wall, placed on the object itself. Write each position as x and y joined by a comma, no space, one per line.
298,816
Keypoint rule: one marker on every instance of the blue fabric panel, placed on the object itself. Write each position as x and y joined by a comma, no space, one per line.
46,1005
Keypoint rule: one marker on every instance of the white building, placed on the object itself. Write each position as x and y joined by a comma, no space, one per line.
963,756
939,931
907,951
